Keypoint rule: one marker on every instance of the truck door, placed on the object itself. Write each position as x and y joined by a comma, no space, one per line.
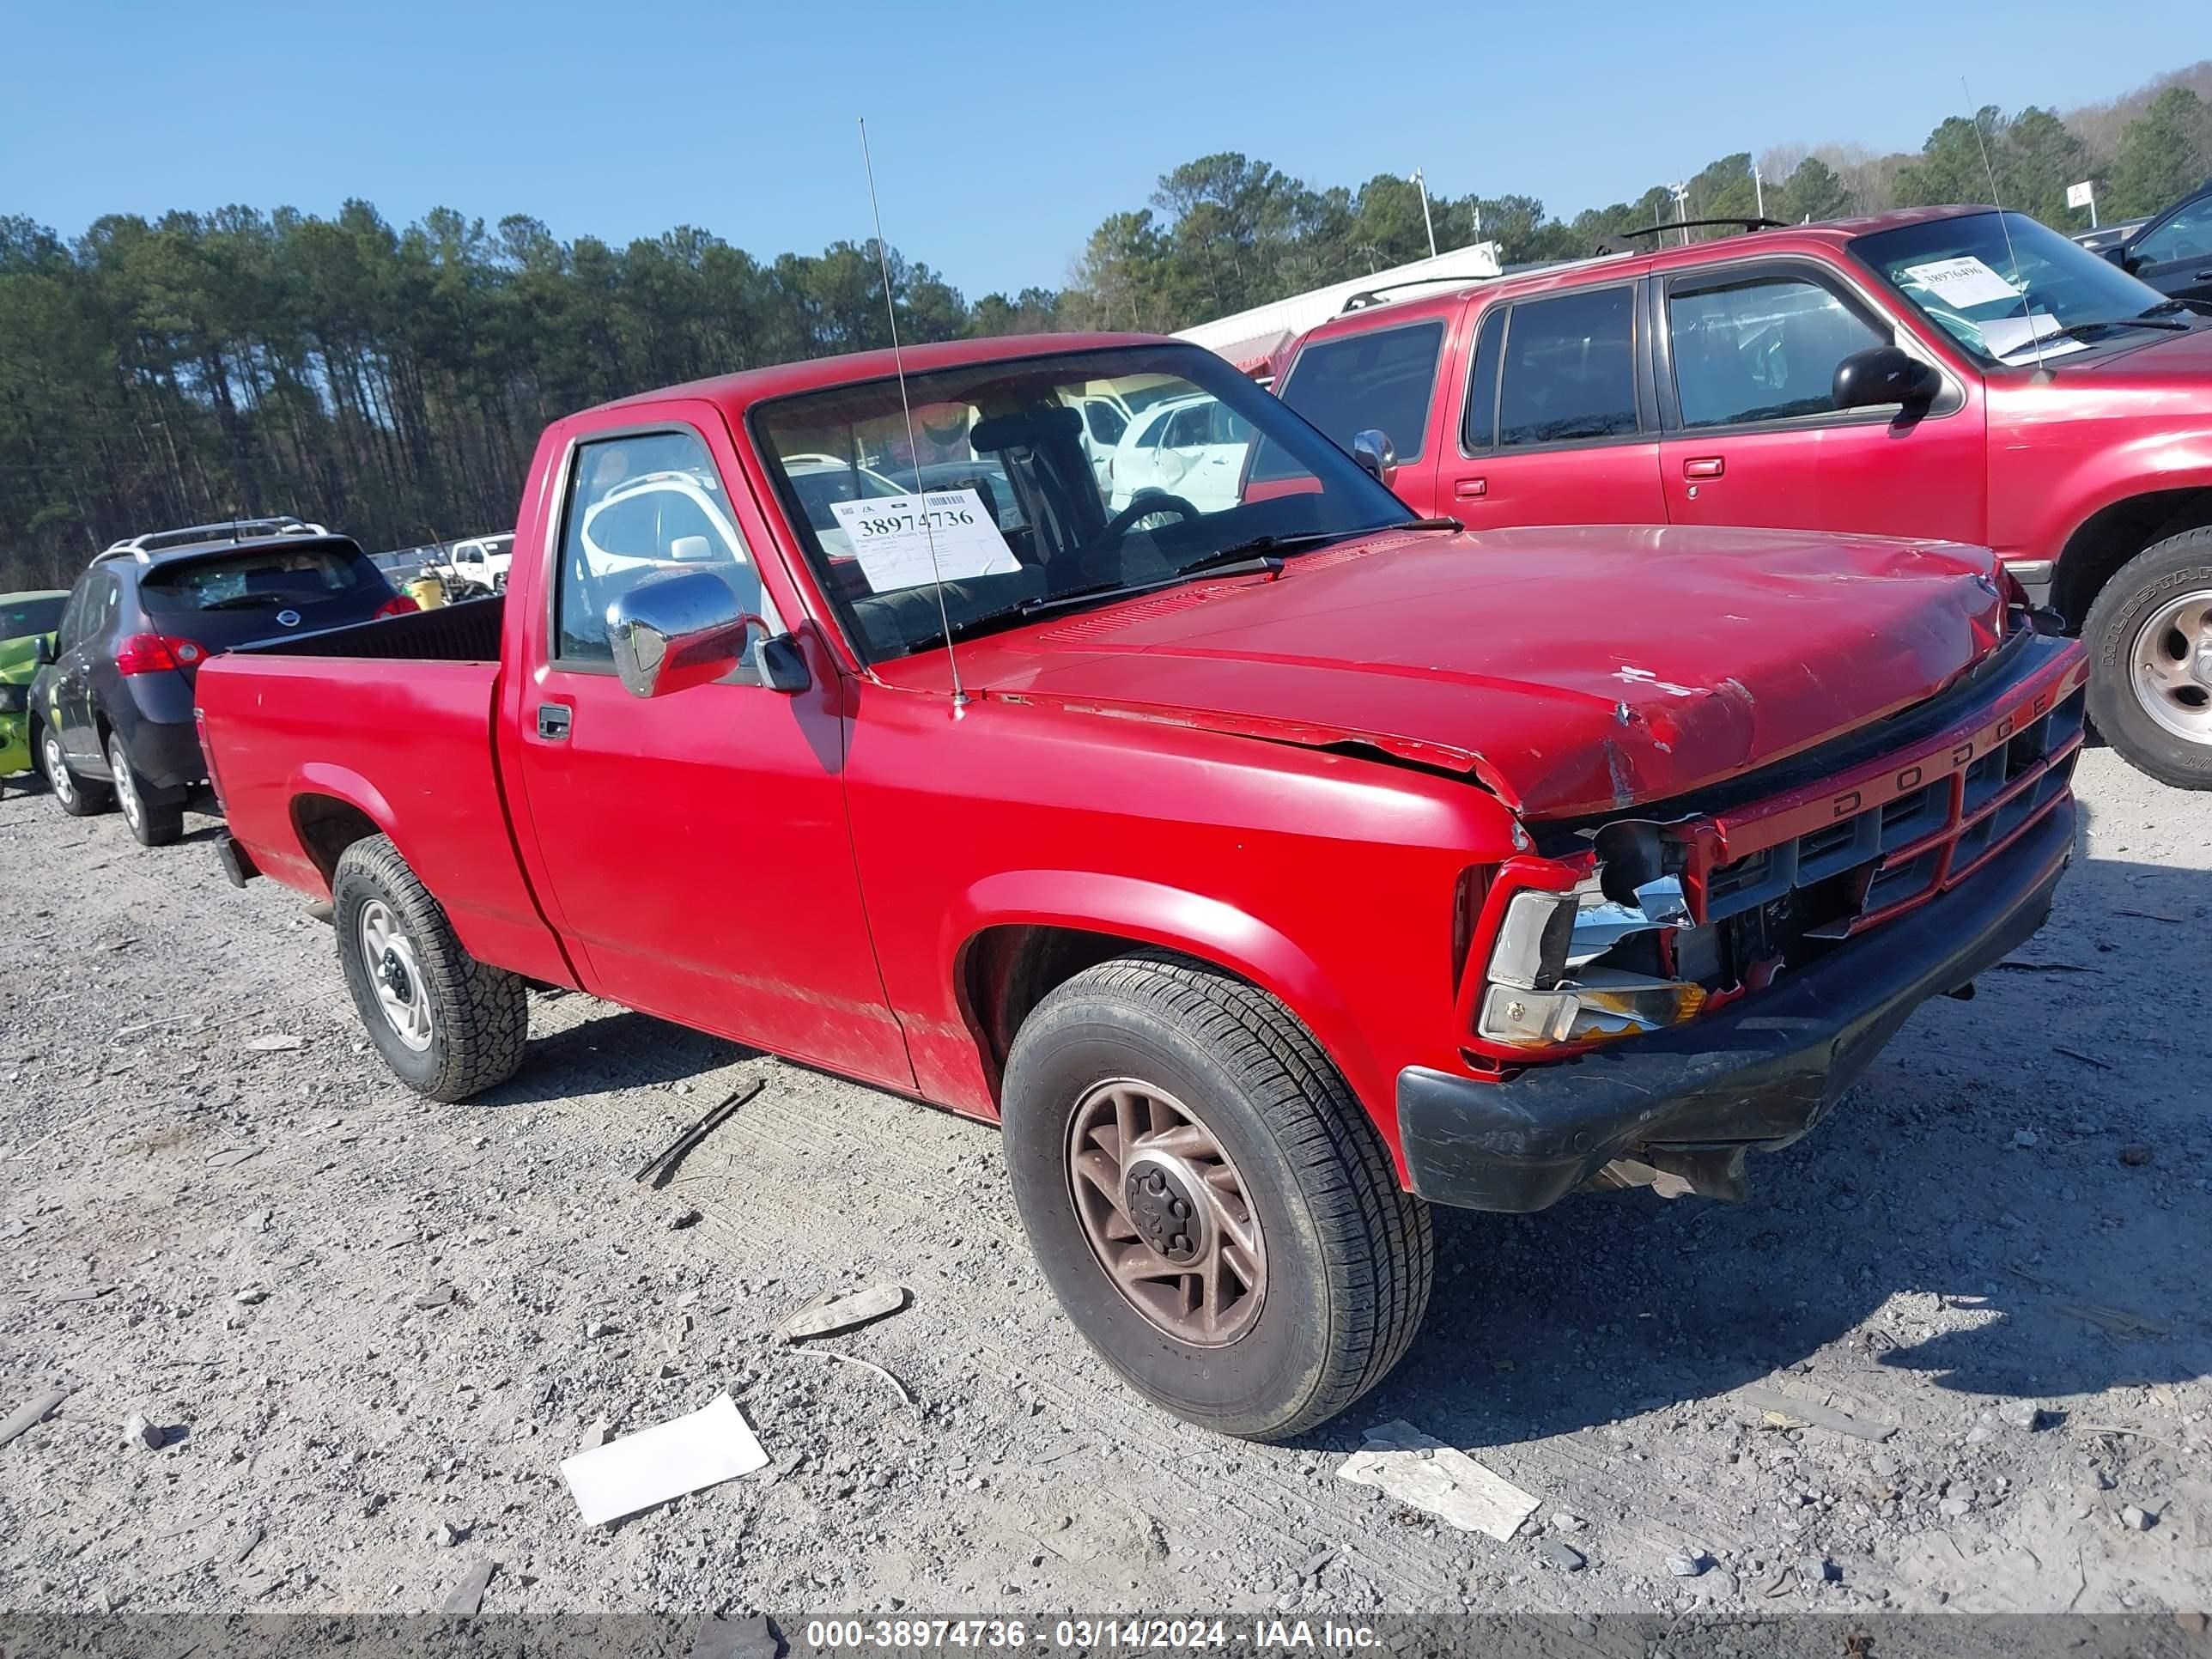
1558,424
1746,356
694,846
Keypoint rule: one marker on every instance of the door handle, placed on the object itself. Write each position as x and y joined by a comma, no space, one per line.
1470,489
1704,467
553,720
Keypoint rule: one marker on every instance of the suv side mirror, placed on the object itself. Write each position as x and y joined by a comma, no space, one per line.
1884,374
43,653
1376,455
685,628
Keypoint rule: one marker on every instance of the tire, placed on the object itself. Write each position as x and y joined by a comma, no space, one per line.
76,796
2161,721
152,823
476,1018
1347,1256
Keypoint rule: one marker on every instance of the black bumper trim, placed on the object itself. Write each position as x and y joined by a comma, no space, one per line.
1757,1074
238,865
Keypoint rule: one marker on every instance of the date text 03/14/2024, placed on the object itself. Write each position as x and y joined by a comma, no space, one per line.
1089,1635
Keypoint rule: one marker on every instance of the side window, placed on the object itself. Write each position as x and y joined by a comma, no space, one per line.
72,623
1569,368
2187,235
1760,349
1150,437
1383,380
1191,426
1479,430
640,507
1107,425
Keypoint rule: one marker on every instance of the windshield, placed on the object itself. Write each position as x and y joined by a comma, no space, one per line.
2006,287
1007,494
19,618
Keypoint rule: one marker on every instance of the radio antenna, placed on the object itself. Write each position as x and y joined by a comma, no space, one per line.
914,449
2027,303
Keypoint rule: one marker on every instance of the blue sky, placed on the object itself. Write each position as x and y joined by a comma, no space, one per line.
1002,133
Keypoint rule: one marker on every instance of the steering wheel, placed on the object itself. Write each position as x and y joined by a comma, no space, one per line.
1146,503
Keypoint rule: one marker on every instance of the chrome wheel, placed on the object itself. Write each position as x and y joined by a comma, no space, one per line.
394,975
58,772
1166,1213
2171,666
126,787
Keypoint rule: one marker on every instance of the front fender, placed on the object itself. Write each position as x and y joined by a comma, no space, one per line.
1174,919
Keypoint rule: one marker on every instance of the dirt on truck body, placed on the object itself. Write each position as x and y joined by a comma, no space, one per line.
1269,865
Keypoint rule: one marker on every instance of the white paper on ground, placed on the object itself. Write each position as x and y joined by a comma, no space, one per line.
1963,282
1420,1470
684,1454
911,541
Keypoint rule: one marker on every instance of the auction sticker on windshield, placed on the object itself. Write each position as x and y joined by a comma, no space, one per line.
1965,281
910,541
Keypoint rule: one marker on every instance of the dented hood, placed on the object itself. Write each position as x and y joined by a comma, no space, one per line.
1569,669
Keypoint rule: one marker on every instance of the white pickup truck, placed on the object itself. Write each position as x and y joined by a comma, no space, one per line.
481,561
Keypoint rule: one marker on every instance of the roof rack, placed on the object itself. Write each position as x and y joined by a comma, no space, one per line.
1624,241
1374,296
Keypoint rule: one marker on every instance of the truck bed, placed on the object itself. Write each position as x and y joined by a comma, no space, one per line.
452,633
413,753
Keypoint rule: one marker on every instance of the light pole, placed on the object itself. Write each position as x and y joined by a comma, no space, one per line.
1681,195
1758,190
1429,224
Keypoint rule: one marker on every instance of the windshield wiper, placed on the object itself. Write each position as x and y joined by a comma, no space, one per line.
2080,330
2166,308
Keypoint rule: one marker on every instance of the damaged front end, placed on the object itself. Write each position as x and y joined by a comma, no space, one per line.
1645,999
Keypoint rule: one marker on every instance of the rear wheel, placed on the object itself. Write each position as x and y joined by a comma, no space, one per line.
154,825
76,797
2150,632
1208,1201
449,1026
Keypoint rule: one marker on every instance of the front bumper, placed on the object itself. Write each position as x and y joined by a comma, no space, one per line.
1754,1076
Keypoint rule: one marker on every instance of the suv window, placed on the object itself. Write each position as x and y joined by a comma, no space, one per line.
1759,348
1107,425
1569,368
640,507
1383,380
2187,235
269,579
1479,429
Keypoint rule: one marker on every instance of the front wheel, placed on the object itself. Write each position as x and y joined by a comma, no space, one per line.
76,797
2149,634
1208,1201
449,1026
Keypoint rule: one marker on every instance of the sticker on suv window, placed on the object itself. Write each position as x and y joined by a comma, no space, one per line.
893,537
1963,282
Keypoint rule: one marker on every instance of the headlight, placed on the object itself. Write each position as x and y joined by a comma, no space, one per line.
1544,987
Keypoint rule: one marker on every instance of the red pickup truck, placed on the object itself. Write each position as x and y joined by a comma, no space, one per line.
1950,371
1267,873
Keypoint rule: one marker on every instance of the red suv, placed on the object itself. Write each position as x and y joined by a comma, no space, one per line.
1955,372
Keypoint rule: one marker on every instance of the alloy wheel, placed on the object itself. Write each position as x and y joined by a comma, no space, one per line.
58,772
1166,1212
2172,664
126,787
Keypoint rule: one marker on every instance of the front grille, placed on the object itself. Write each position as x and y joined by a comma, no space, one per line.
1907,848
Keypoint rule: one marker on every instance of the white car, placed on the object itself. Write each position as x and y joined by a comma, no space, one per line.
664,521
1193,447
482,561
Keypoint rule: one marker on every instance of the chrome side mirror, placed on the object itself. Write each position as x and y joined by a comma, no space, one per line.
1376,455
685,628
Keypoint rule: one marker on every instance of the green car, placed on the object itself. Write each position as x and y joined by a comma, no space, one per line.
25,619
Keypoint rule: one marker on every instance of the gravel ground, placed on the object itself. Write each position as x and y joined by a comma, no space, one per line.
1998,1245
